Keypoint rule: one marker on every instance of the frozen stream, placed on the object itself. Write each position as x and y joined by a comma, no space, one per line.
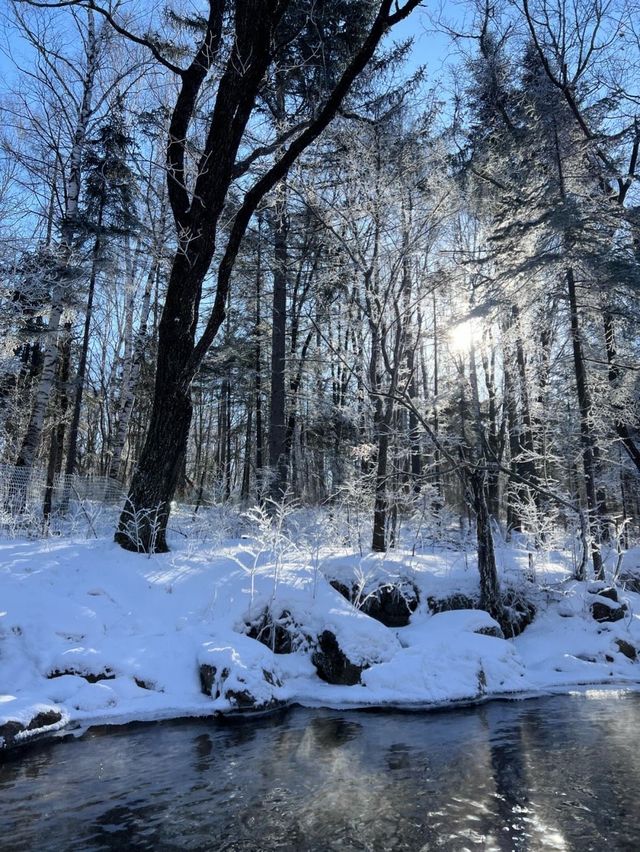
552,773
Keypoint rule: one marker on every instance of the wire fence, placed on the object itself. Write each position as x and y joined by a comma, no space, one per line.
23,490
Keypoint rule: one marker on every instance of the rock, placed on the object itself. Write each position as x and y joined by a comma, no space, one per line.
10,730
603,591
627,649
282,634
630,579
208,679
343,589
451,603
8,733
244,699
588,658
241,675
459,621
147,684
90,677
518,613
332,664
44,719
604,609
391,603
491,630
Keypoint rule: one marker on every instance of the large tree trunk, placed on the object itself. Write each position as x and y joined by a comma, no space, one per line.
57,436
257,355
143,521
197,211
31,440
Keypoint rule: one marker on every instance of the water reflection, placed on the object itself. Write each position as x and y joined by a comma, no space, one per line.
511,791
558,773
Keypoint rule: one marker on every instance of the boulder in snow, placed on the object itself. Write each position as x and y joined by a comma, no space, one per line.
452,603
282,634
604,609
391,603
603,591
90,677
465,621
242,675
43,721
332,664
627,649
518,612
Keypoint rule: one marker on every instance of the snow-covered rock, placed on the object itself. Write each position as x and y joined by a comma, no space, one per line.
242,676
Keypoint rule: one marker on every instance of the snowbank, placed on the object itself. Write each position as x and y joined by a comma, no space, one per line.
89,632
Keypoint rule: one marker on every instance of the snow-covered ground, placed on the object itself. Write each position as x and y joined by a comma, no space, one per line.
89,632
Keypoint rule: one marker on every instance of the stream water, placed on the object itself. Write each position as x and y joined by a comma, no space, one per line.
551,773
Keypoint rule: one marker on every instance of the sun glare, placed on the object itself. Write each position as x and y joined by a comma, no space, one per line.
464,335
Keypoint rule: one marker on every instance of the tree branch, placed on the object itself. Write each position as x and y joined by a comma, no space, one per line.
381,24
123,31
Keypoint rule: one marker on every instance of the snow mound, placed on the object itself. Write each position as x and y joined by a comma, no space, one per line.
450,657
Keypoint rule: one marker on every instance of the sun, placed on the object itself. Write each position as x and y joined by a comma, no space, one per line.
463,335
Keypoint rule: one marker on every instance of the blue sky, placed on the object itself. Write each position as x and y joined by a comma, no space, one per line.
430,48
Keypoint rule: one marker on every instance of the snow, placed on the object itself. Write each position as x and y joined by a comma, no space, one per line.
140,628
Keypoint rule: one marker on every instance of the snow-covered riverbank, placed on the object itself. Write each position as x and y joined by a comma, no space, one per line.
89,632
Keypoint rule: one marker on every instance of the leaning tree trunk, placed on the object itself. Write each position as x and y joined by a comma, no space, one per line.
197,211
143,521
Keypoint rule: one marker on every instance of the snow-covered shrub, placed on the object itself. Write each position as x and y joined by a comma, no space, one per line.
136,523
268,544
